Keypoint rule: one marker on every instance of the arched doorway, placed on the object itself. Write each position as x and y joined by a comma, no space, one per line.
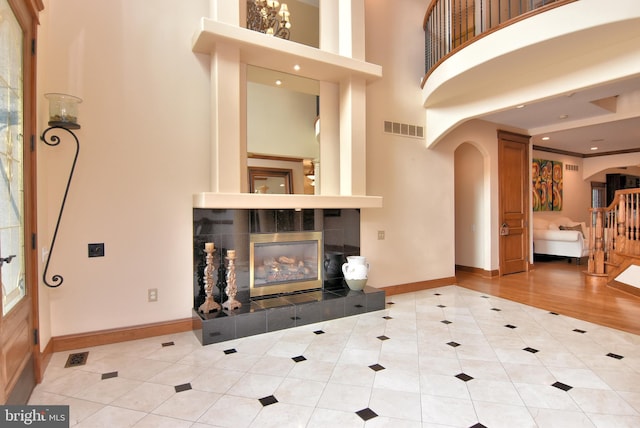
471,209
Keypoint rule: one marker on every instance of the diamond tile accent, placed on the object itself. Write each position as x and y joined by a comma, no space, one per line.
554,313
478,425
616,356
464,377
168,344
532,350
230,351
510,326
383,338
577,330
269,400
183,387
358,306
390,303
77,359
366,414
441,306
485,297
299,358
376,367
437,294
295,318
562,386
496,309
318,332
109,375
387,317
445,322
453,344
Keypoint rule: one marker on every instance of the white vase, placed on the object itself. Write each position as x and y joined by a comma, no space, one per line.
355,272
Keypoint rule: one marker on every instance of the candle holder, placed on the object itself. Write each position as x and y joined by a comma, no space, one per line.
209,304
232,289
63,116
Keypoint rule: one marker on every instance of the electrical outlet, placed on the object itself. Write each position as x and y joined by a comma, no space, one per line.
96,250
152,295
380,235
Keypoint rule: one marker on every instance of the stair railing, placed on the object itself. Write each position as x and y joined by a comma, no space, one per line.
614,232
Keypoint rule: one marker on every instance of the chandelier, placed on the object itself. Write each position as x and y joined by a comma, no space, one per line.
269,17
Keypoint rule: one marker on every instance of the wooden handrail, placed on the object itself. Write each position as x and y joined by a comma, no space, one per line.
443,38
614,233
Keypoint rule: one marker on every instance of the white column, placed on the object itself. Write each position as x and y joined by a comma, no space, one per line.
329,17
343,142
351,28
226,143
353,154
329,176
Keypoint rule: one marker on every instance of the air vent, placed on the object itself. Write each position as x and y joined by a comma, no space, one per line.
403,129
570,167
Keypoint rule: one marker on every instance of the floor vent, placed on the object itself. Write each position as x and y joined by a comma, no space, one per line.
403,129
75,360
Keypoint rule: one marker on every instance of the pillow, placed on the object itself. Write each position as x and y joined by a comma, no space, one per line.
577,227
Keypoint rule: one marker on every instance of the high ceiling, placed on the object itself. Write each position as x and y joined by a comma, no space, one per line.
578,121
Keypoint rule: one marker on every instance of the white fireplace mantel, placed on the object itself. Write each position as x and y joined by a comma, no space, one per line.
267,201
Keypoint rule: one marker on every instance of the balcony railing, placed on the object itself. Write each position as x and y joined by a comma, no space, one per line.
451,24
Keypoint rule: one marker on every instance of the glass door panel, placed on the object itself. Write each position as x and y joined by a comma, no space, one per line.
12,272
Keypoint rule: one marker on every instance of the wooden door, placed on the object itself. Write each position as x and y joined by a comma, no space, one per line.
19,355
513,179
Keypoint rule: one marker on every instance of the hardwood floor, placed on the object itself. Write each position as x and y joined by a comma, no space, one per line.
562,287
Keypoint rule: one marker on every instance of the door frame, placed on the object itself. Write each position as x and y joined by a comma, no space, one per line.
30,370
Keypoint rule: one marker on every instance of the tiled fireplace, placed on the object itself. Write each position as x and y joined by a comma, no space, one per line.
288,269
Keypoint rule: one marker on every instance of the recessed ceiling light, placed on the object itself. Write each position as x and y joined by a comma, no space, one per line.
521,106
278,82
296,67
594,148
546,138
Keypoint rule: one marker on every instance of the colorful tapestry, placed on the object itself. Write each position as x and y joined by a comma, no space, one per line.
547,185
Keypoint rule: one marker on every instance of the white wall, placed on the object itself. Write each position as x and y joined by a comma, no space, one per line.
416,184
144,152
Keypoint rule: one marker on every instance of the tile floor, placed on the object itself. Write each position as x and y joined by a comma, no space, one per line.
445,357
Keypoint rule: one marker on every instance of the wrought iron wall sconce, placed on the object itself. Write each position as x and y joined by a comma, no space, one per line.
63,116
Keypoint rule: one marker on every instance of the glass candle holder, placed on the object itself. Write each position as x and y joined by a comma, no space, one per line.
63,110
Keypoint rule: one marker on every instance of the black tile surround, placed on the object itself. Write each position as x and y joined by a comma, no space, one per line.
231,229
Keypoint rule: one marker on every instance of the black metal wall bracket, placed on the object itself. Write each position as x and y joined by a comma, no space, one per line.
54,140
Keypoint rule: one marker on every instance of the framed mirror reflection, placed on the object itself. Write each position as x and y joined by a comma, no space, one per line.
270,181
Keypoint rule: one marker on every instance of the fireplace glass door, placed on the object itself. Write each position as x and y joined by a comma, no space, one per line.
284,263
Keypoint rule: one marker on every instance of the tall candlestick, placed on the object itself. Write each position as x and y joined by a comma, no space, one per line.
232,289
209,304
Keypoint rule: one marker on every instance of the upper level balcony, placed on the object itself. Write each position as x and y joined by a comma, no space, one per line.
486,57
